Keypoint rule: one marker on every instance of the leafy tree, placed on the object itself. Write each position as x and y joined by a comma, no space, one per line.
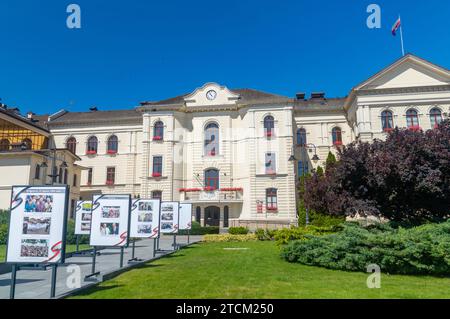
405,178
331,161
319,171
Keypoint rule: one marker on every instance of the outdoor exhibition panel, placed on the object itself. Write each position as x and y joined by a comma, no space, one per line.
145,215
83,217
185,216
169,217
110,220
38,224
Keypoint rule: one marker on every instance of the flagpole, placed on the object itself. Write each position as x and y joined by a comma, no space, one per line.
401,36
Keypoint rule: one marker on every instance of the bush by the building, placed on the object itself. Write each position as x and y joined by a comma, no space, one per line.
238,231
197,229
420,250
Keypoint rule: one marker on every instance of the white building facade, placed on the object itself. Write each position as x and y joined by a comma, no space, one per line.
236,155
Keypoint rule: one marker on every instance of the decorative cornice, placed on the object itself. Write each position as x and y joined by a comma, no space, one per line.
400,90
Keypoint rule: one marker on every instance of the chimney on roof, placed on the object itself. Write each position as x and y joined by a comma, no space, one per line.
300,96
93,109
318,95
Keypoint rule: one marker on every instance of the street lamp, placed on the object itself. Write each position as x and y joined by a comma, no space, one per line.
315,159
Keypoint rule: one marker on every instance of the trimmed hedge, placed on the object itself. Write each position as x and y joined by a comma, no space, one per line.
421,250
286,235
238,231
197,229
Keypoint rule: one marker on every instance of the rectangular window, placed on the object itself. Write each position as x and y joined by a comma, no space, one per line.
271,199
303,168
270,164
157,166
89,177
66,176
110,175
75,177
37,172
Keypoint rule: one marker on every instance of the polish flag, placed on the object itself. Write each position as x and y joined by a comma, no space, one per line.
396,26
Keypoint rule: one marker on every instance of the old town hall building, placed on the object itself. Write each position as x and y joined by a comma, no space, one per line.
236,154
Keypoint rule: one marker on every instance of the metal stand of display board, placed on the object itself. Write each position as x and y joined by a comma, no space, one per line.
133,251
94,258
154,247
53,285
174,242
12,290
121,256
16,268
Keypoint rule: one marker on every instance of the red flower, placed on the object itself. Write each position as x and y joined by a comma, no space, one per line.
272,209
337,143
157,138
415,128
156,175
112,152
232,189
388,130
209,189
269,133
91,152
110,183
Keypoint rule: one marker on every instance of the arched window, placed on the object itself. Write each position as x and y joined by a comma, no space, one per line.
271,199
212,179
4,145
269,126
435,117
157,195
92,145
71,145
212,139
301,137
337,136
113,144
158,131
387,121
27,144
412,119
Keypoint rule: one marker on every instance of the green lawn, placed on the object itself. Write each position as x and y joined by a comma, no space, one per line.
210,271
70,248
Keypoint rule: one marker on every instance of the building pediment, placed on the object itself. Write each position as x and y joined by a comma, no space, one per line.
211,94
407,72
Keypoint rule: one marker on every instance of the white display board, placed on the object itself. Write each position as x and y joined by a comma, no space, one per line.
110,220
83,217
38,224
170,217
185,216
145,214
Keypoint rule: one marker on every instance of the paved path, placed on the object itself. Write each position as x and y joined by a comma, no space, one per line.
35,284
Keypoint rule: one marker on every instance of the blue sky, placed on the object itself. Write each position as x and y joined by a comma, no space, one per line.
136,50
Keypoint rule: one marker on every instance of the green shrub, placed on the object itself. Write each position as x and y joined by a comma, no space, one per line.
4,217
265,234
320,220
238,231
3,234
420,250
197,229
284,236
4,224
